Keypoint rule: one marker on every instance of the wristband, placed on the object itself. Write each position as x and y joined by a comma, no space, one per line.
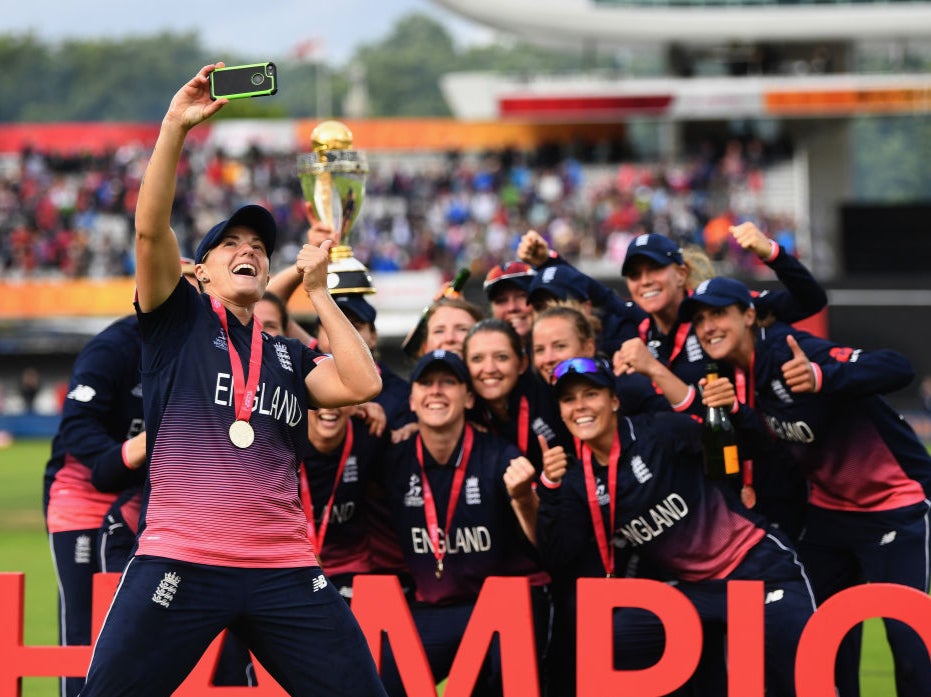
686,401
819,377
773,252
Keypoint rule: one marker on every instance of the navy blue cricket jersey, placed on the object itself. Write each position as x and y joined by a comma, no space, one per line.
394,397
666,510
484,539
102,409
209,501
345,544
859,454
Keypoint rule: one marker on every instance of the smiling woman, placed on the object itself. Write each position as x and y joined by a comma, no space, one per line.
638,478
221,458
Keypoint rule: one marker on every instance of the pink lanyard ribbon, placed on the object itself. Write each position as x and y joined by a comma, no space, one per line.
429,503
745,388
244,387
601,536
523,425
317,539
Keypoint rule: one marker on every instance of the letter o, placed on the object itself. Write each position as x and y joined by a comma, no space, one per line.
817,649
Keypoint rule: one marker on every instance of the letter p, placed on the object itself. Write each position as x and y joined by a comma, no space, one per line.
597,599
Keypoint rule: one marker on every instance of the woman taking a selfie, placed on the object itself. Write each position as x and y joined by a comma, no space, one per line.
223,539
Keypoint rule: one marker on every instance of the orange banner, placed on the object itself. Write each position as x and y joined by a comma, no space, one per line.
84,298
448,134
74,298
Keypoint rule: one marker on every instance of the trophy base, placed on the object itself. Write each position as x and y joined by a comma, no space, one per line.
347,274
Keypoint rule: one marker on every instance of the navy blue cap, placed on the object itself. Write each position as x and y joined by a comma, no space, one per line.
716,292
355,304
254,217
449,360
659,248
560,281
515,273
594,370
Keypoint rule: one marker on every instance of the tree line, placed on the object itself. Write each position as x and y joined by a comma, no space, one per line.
132,79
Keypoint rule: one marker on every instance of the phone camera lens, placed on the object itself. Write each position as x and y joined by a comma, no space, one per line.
257,79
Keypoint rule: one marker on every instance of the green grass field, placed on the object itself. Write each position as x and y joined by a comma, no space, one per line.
25,549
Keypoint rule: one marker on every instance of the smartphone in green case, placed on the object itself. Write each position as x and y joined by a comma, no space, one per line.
239,81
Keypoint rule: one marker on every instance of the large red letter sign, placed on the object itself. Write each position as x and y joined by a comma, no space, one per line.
597,598
817,649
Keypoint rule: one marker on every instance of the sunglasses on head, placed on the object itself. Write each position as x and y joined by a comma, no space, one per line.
581,366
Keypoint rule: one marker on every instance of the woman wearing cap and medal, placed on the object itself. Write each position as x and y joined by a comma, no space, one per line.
660,276
223,539
639,488
457,517
869,474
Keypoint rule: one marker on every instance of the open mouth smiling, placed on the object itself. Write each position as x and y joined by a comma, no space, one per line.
244,270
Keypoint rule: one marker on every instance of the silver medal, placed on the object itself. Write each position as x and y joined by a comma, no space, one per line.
241,434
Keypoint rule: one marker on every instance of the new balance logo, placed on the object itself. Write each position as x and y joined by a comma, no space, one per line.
319,583
774,596
82,393
888,538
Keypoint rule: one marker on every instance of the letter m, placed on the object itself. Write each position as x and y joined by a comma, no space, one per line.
503,608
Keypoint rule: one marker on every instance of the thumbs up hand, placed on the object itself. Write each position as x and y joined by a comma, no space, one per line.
555,461
797,372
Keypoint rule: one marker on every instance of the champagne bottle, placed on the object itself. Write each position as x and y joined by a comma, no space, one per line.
719,439
415,338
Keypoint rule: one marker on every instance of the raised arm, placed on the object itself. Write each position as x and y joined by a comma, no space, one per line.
351,377
803,295
157,256
285,282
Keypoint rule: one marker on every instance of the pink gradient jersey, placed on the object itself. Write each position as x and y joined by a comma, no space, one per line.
208,501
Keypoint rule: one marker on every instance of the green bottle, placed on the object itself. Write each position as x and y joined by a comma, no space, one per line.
719,439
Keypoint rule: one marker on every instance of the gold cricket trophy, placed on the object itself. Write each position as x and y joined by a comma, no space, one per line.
333,181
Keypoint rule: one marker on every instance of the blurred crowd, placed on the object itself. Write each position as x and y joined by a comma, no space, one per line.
71,216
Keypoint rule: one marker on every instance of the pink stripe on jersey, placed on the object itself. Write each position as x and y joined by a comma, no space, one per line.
214,503
75,503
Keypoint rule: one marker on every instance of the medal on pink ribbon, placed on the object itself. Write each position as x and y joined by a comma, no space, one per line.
242,435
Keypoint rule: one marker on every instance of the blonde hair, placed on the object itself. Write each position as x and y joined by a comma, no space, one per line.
586,327
699,265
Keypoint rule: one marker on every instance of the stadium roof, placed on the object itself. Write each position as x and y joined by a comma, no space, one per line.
606,22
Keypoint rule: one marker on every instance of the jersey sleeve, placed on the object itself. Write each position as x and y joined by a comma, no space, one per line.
165,329
564,528
86,428
803,295
853,372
